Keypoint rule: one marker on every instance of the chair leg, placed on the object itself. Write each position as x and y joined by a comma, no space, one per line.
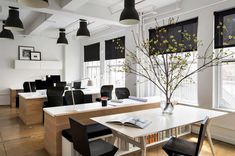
209,138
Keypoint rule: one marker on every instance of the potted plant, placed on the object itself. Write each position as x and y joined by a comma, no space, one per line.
166,62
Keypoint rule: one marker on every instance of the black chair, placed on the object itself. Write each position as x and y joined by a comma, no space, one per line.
29,87
176,146
54,97
93,131
41,84
106,90
84,147
78,97
77,85
122,93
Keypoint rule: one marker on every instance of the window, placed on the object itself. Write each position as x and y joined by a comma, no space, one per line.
224,29
226,85
113,72
187,91
92,63
224,40
189,26
114,60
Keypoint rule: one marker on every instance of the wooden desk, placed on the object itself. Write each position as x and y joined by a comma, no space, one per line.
30,107
182,115
56,118
31,104
13,94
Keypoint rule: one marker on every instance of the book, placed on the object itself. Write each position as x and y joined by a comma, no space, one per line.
137,99
136,122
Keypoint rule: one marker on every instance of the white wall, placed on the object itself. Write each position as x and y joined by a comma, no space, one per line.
14,78
72,61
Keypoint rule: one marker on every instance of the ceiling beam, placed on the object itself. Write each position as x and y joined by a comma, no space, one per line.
71,8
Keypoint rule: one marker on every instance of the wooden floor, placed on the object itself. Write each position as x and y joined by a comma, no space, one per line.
16,139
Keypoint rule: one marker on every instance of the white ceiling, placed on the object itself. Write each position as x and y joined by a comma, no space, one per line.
101,14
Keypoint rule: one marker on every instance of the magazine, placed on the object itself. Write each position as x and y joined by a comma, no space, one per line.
136,122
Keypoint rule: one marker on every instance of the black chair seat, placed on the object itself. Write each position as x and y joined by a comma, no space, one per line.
85,147
176,146
94,130
67,134
180,147
99,147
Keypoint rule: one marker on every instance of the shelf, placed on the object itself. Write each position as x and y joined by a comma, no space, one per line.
43,65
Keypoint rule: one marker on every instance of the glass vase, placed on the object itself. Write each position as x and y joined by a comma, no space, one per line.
167,107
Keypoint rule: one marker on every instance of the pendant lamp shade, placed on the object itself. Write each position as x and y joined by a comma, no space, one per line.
62,40
35,3
13,21
6,34
83,30
129,15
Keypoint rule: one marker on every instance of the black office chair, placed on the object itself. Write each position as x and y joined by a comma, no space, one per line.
122,93
29,87
106,90
84,147
40,84
176,146
54,96
77,85
78,97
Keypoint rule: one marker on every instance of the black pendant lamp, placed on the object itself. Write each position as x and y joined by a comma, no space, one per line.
13,21
129,15
35,3
83,30
62,40
6,34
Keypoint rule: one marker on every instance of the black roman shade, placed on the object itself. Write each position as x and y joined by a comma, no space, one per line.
224,28
92,52
173,33
115,48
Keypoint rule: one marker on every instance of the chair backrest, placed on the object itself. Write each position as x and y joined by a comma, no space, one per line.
106,90
60,84
55,96
41,84
201,135
78,97
77,85
122,93
80,137
29,87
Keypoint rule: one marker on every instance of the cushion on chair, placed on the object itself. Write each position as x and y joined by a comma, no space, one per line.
97,130
94,130
99,147
179,146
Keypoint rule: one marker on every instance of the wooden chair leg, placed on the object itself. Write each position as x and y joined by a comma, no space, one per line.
209,138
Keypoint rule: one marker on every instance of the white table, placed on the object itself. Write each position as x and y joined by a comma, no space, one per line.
182,115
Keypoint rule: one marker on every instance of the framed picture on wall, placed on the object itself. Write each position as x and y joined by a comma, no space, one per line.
35,56
24,52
